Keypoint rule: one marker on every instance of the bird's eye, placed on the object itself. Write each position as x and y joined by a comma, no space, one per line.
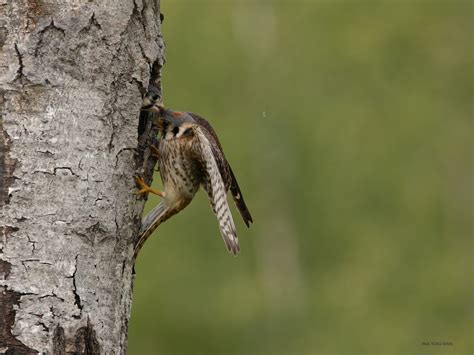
187,132
154,97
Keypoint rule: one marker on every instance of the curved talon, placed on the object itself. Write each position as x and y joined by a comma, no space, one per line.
144,188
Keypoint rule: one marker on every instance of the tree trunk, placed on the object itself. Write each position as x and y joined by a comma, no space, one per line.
71,79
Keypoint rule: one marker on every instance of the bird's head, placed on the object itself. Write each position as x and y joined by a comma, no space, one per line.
152,100
176,124
176,117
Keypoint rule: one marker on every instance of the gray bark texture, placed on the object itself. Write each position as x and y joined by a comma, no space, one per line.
72,74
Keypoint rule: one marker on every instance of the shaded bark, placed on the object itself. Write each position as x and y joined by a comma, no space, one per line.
71,79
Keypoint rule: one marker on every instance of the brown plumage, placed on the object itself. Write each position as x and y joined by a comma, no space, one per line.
224,168
191,155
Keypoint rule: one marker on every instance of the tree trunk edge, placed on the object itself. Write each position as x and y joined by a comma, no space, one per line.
82,334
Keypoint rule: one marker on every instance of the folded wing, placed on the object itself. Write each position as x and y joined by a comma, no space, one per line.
216,190
227,174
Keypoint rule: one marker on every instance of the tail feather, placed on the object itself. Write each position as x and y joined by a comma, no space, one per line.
151,221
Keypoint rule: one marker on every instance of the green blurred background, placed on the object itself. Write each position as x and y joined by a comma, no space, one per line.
349,125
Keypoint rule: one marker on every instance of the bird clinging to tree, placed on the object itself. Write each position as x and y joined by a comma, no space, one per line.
190,155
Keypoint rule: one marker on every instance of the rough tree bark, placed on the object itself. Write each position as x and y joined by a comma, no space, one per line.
71,78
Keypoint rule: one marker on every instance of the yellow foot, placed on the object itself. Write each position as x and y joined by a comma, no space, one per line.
154,151
144,188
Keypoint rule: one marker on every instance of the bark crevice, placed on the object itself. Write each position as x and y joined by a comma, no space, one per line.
19,71
77,298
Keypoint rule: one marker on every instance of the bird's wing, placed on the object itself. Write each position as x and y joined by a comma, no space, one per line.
227,174
216,190
239,199
216,147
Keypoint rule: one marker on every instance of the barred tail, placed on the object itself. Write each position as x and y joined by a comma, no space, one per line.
151,221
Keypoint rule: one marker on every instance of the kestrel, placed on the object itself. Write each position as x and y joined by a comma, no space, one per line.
190,155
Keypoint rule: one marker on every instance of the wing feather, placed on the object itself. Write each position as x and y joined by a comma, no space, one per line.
216,190
227,174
